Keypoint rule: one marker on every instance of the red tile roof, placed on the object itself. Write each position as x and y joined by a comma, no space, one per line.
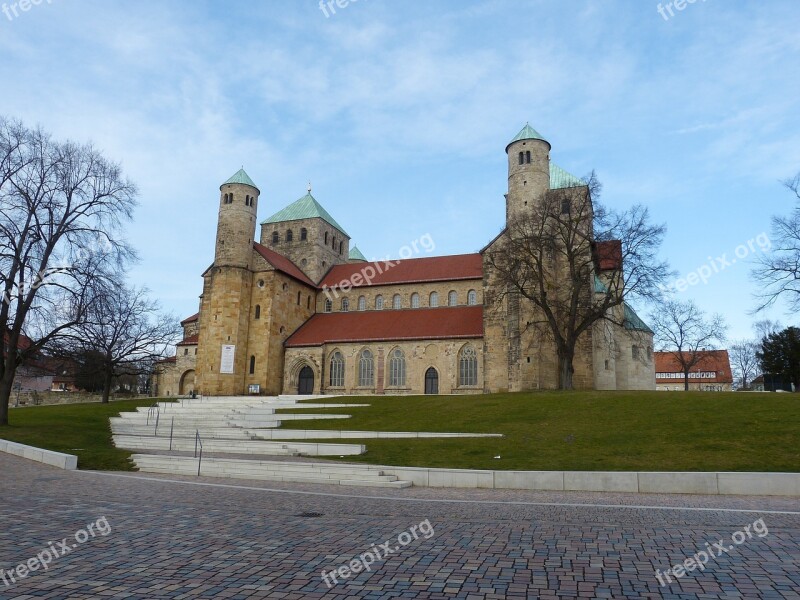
414,270
609,255
191,319
190,341
713,361
390,325
282,264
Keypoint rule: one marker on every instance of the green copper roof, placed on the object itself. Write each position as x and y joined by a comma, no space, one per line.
243,178
355,254
304,208
527,133
599,286
560,179
633,321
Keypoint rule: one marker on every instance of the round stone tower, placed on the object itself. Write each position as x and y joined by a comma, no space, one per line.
528,171
236,224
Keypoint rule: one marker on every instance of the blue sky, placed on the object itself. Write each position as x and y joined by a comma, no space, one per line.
399,113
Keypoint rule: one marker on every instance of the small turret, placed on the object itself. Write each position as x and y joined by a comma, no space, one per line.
236,224
528,171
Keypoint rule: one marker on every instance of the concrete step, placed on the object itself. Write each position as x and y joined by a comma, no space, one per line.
230,446
265,471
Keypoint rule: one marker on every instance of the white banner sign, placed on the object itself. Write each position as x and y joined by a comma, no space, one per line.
226,364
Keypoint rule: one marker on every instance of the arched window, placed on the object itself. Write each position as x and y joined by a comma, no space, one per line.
303,234
341,247
397,302
528,157
328,305
304,262
276,237
252,365
521,158
289,235
366,369
258,311
298,298
337,369
415,300
452,298
345,305
326,238
247,200
378,302
468,367
472,298
362,303
308,302
433,300
333,243
397,369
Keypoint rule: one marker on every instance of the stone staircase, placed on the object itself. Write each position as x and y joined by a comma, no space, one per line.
265,470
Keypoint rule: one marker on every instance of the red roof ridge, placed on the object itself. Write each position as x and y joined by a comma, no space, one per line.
283,264
192,319
454,267
192,340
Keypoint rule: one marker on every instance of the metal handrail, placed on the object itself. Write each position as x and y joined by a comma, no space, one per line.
198,441
171,429
153,410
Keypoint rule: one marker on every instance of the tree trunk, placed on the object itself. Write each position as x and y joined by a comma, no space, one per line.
565,368
686,381
107,386
6,387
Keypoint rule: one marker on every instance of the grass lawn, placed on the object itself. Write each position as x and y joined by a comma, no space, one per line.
625,431
80,429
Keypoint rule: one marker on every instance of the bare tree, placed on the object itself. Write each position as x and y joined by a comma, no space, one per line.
744,358
684,331
127,331
61,208
779,271
549,260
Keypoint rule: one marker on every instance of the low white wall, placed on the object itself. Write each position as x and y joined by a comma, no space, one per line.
737,484
48,457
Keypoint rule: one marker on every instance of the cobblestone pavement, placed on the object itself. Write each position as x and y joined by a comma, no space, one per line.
174,537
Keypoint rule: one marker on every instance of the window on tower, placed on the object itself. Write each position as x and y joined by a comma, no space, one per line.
303,234
252,365
326,238
258,311
565,207
521,158
528,157
289,235
341,247
276,237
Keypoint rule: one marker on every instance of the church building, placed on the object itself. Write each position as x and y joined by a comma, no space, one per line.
297,310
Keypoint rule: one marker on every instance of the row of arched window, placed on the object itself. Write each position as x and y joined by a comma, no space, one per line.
525,157
467,368
397,301
337,245
248,200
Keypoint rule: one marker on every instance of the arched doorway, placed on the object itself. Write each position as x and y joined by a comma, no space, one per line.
305,381
187,383
431,381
